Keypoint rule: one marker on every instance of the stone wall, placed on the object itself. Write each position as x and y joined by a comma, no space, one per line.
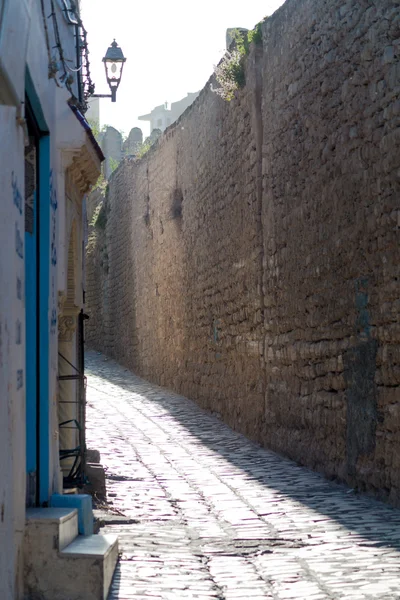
251,259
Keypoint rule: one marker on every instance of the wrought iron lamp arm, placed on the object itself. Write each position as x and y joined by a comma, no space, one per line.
112,96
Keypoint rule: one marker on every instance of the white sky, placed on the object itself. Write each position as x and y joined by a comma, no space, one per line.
171,48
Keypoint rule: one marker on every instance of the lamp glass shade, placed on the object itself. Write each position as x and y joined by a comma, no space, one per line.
114,63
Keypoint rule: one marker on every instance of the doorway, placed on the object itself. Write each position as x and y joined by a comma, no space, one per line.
37,258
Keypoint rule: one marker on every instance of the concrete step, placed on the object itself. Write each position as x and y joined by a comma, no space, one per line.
51,527
62,565
98,555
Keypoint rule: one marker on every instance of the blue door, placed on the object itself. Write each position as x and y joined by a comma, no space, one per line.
37,271
31,303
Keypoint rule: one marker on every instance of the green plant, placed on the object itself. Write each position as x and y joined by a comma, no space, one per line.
255,35
91,242
145,147
94,126
230,72
101,184
104,128
99,219
230,75
242,42
113,164
97,130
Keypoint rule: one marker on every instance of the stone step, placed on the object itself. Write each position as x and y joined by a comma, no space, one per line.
62,565
53,528
97,555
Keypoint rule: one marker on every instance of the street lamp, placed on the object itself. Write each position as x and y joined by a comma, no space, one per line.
113,63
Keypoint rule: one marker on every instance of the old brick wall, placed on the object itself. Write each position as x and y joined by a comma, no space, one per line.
251,259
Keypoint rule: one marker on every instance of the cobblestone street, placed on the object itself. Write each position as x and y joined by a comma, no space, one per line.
210,515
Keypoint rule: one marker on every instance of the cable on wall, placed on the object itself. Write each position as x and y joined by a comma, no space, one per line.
60,66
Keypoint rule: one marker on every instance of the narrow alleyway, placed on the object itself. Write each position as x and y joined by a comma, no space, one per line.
213,516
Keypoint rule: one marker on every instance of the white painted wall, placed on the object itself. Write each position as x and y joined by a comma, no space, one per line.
12,354
14,27
23,43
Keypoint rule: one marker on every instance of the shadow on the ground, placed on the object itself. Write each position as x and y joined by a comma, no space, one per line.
376,523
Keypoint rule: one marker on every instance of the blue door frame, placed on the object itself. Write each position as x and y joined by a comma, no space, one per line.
37,290
31,348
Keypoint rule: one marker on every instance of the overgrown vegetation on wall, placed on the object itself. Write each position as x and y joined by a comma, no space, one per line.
100,216
144,148
230,72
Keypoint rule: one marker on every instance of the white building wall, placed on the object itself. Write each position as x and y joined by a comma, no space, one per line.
12,354
14,27
23,44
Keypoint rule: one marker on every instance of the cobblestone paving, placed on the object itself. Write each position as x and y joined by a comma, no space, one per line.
214,516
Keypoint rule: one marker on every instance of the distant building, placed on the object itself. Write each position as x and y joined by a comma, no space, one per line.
162,117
